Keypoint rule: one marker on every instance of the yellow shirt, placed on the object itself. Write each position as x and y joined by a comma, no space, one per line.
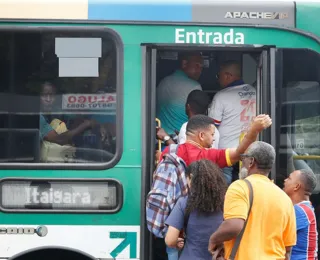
271,225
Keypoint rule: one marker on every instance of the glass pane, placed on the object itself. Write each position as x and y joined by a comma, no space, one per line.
299,99
58,96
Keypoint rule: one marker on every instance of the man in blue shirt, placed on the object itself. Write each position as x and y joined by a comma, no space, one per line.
173,90
299,186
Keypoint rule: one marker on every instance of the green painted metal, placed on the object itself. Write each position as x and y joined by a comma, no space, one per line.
307,17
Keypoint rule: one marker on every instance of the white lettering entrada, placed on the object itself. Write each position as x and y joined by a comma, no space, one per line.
230,37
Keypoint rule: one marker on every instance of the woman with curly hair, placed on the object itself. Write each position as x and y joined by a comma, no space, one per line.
200,213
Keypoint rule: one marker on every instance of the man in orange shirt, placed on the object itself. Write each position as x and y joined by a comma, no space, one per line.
270,232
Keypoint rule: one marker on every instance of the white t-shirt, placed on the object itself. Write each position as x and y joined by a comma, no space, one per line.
233,109
182,137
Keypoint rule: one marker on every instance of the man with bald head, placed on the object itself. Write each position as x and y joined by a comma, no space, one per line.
299,186
173,90
233,108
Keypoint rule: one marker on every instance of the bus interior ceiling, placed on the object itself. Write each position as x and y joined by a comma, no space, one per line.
168,62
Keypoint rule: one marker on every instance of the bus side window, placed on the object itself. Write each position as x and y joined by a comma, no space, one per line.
83,69
299,146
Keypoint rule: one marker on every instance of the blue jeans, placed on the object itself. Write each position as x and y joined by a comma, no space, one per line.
227,171
173,253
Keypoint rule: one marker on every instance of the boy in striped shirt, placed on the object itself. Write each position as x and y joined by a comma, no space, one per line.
299,186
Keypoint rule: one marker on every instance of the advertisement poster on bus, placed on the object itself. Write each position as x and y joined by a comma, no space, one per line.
103,102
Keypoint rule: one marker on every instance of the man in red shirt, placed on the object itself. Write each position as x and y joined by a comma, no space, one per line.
200,135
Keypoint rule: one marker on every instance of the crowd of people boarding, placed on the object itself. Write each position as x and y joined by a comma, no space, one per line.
201,206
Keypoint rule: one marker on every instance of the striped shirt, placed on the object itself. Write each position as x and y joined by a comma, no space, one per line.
307,235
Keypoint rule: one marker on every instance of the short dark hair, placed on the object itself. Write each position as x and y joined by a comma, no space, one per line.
199,122
187,55
49,84
198,101
309,179
233,63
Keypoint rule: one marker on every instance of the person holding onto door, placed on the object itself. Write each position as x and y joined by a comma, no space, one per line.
232,108
270,226
299,186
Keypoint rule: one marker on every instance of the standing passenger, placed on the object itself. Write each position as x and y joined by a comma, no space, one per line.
232,108
173,90
200,214
299,186
270,231
197,104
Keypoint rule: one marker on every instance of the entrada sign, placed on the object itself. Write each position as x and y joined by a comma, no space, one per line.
203,37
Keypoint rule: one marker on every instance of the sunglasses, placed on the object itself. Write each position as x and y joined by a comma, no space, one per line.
261,166
242,156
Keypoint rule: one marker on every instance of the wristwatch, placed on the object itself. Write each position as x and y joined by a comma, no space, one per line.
166,138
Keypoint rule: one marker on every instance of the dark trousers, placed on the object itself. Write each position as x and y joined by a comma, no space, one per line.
159,250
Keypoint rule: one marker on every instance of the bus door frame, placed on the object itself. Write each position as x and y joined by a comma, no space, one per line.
265,104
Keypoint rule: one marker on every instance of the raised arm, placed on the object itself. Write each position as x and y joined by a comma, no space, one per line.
260,123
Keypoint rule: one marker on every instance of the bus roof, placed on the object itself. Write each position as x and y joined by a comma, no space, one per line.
278,13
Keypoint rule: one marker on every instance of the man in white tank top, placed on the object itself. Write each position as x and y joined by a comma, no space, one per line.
232,108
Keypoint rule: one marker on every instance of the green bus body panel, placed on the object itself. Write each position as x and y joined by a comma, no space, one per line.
307,17
128,170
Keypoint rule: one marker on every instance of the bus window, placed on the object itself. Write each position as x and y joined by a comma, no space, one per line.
299,116
58,91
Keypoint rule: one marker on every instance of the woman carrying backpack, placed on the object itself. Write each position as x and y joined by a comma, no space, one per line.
200,213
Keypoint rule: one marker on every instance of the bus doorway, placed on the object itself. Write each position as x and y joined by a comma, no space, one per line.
160,61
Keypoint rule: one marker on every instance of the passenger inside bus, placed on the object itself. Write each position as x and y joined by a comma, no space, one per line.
57,139
47,132
173,90
197,104
232,109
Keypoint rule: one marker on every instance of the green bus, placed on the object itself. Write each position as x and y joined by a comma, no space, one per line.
67,63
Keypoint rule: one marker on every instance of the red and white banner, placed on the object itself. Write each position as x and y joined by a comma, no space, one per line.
104,102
